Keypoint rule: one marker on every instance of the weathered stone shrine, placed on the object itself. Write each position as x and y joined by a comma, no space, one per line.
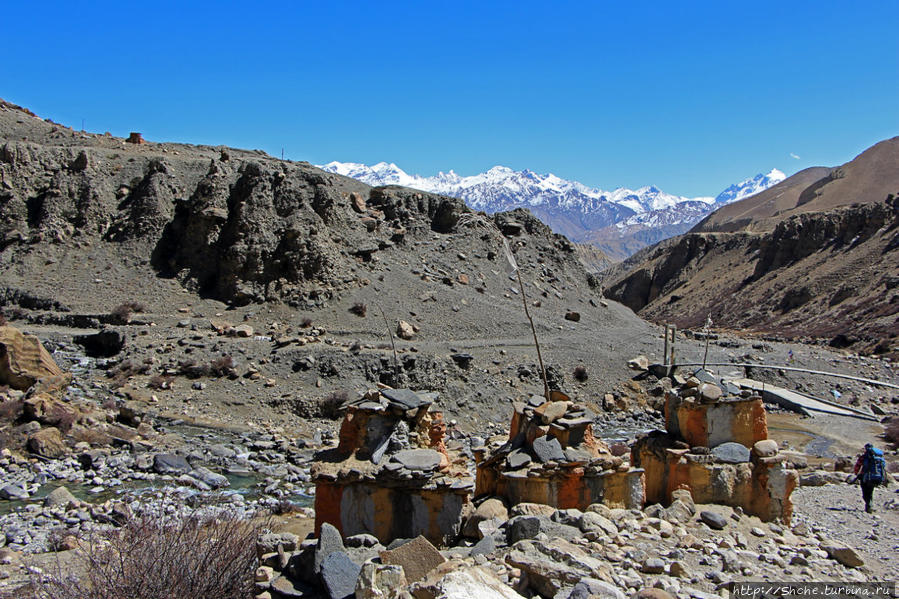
391,474
717,446
553,458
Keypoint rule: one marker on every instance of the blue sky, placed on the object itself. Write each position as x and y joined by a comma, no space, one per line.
688,96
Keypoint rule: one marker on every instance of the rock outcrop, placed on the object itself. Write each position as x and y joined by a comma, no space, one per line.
24,361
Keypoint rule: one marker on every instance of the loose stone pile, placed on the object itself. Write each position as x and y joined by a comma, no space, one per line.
536,550
391,475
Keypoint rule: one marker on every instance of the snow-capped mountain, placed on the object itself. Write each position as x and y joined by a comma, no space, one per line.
749,187
582,213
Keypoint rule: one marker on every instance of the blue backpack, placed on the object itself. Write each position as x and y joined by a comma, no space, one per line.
874,466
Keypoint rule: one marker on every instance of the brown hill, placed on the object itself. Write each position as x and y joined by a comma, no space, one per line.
814,256
202,233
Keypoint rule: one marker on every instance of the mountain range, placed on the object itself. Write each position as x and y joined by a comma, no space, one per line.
619,222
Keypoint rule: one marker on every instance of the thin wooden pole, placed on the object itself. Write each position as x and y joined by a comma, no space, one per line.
524,300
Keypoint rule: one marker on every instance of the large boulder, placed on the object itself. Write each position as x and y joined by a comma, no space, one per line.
417,557
47,442
23,360
553,565
463,583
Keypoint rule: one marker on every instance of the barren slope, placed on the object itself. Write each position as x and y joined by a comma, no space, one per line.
814,256
200,233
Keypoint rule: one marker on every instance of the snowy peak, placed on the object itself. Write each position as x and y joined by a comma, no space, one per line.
749,187
568,207
501,188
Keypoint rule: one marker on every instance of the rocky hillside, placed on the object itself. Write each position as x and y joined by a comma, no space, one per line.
814,256
317,269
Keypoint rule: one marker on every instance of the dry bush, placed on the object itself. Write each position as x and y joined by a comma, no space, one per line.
125,370
110,404
160,381
12,409
123,311
331,404
62,418
90,435
359,309
163,558
580,373
306,323
891,432
193,369
3,322
223,366
4,440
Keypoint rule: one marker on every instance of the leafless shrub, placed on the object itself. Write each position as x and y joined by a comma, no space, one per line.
12,409
123,311
283,507
580,373
160,381
124,370
90,435
359,309
306,323
4,440
3,322
193,369
223,366
62,418
110,404
162,557
331,404
891,432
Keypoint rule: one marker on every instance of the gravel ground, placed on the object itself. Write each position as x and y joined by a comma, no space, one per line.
840,512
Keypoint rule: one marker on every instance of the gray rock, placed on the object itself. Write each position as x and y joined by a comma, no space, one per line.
214,480
405,399
590,588
523,527
13,492
731,453
485,546
60,496
653,565
528,527
518,459
423,460
222,451
713,519
169,463
338,575
548,449
329,541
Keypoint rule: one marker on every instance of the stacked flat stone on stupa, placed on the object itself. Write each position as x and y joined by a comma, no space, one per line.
391,474
716,446
552,457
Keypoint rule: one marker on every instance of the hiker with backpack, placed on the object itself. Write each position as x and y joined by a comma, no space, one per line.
869,472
